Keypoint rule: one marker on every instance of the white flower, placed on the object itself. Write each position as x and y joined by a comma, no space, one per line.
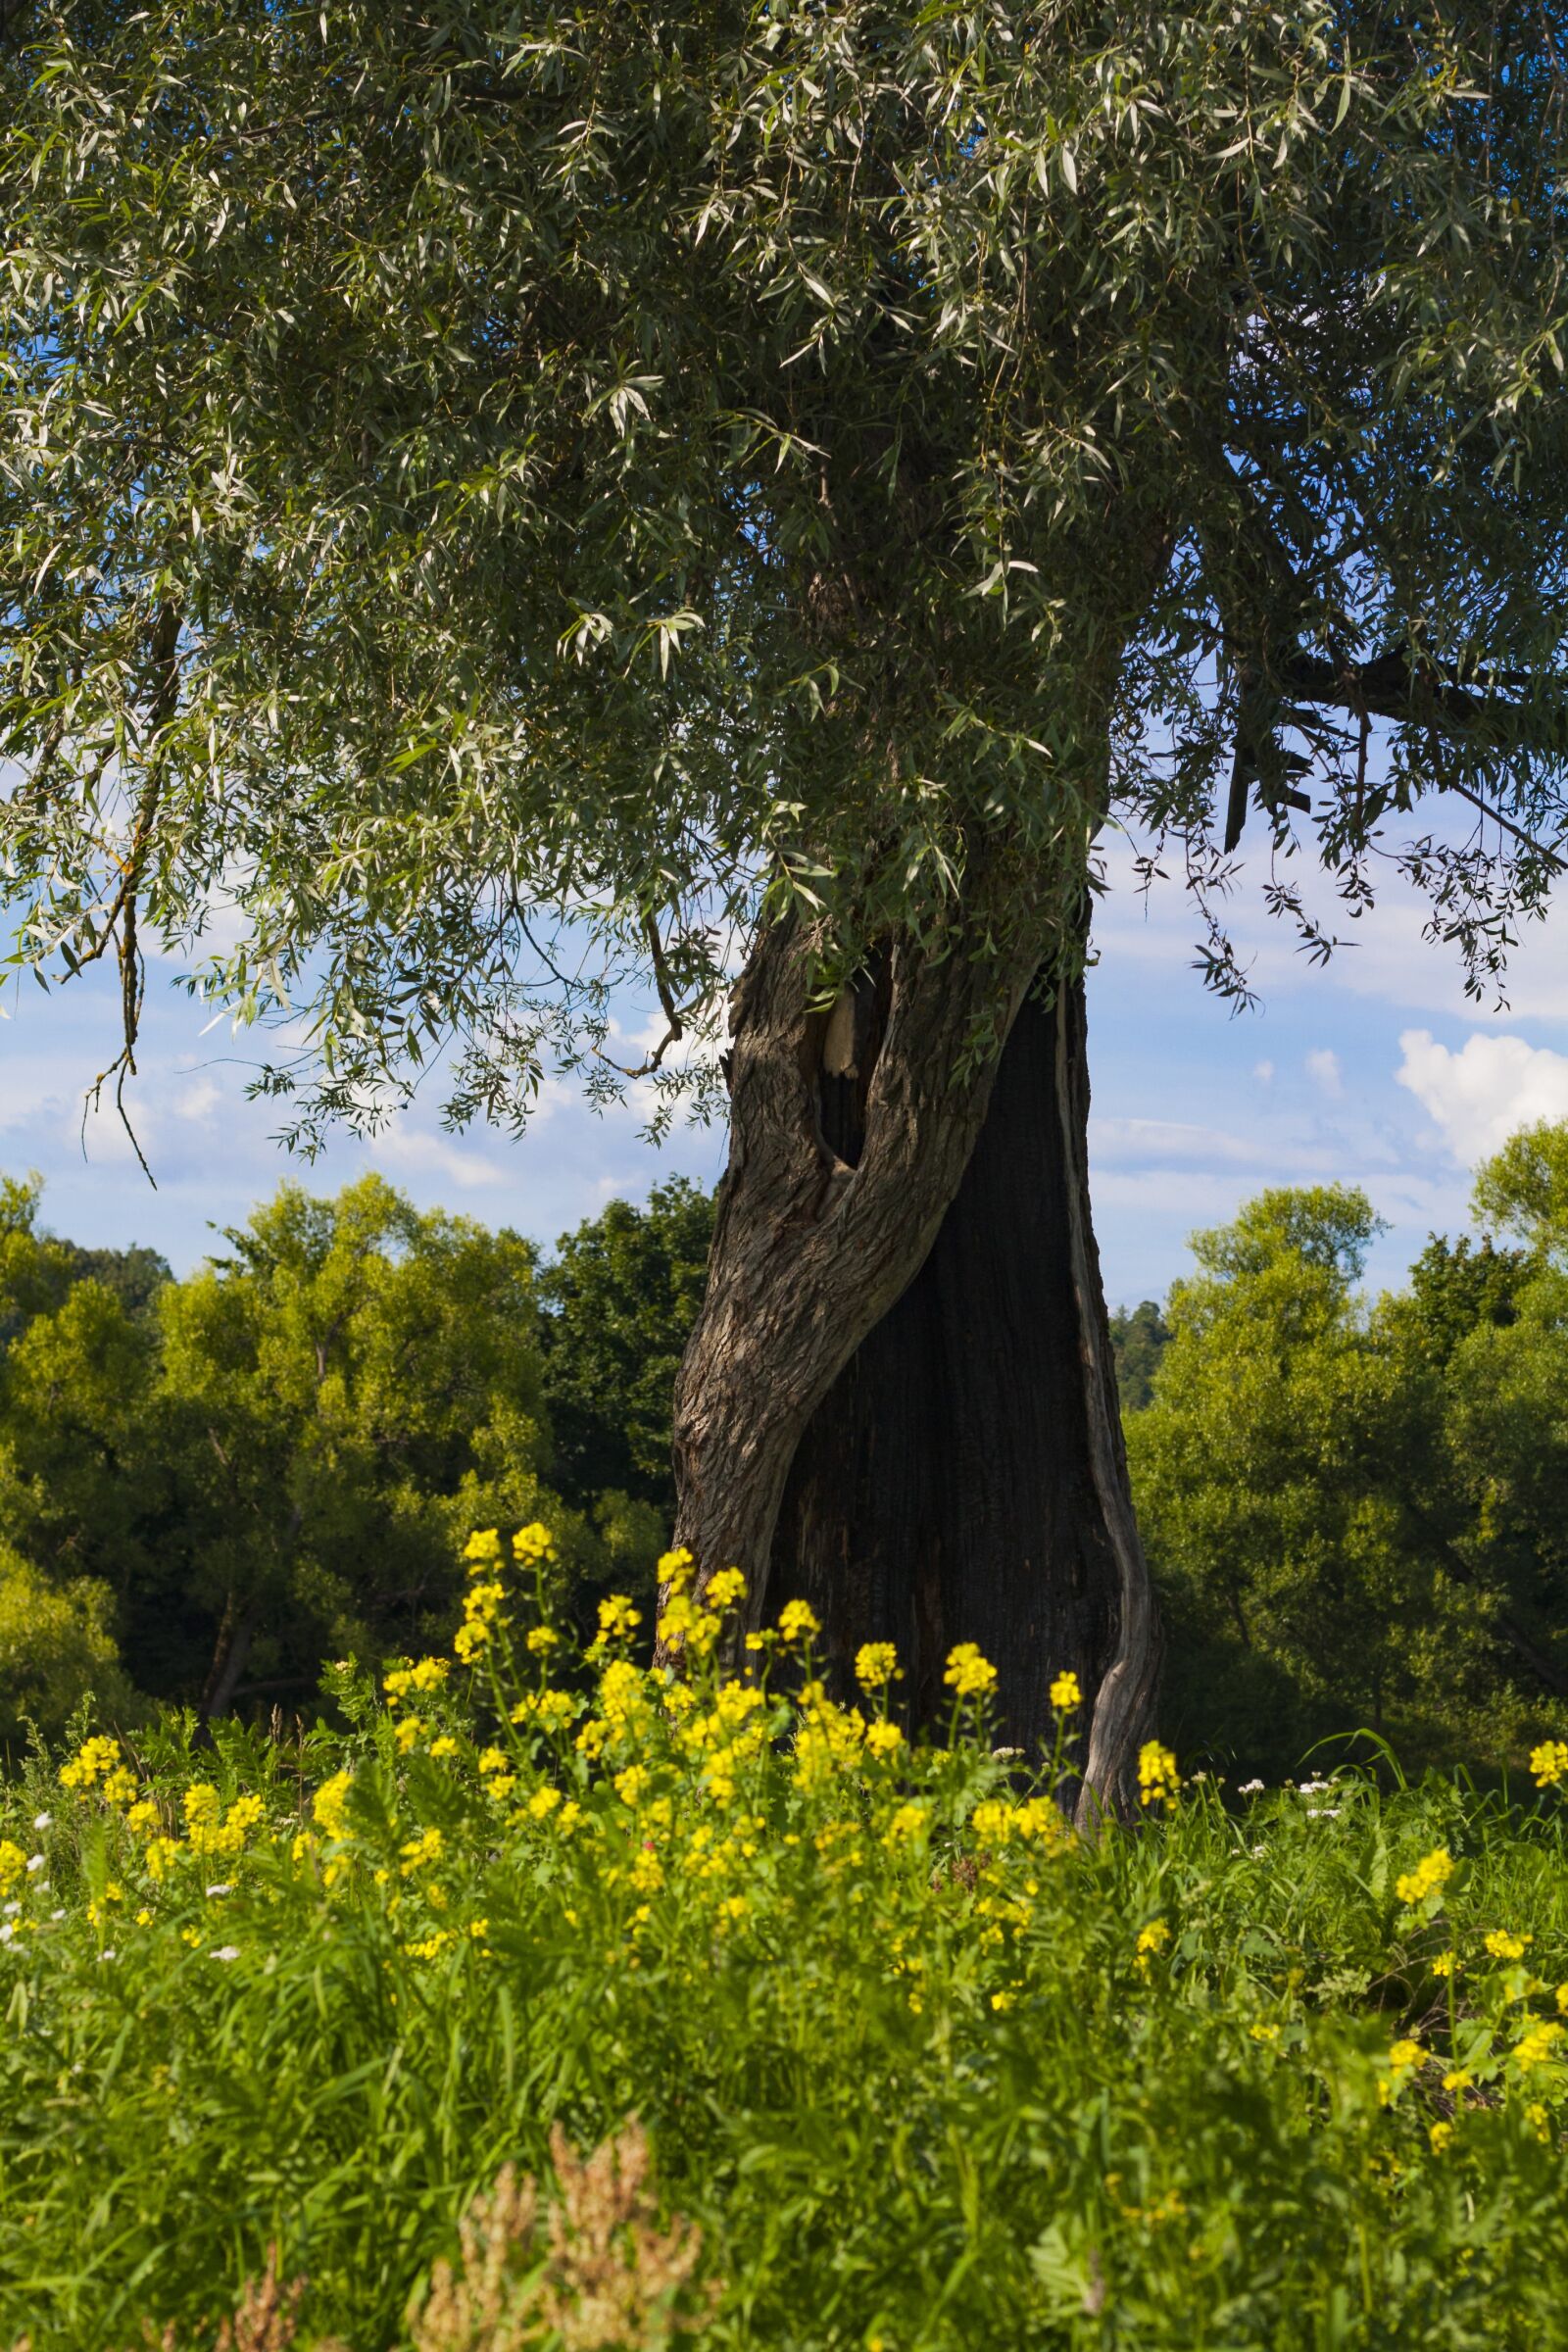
36,1862
10,1909
41,1821
57,1915
1258,1851
222,1887
226,1951
109,1954
7,1931
1249,1788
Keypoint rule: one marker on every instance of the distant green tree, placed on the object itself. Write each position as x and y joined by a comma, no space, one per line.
37,1269
1139,1339
57,1647
621,1297
1311,1537
277,1460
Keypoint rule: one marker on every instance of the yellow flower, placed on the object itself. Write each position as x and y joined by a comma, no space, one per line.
970,1674
1458,2077
543,1802
617,1618
95,1758
1502,1946
675,1568
119,1784
142,1816
907,1825
875,1664
13,1862
533,1545
482,1551
1265,2034
144,1917
493,1759
329,1805
161,1853
446,1745
420,1851
1549,1763
1157,1777
1404,2054
1002,2000
409,1731
541,1638
1445,1964
630,1784
797,1621
1440,2134
1429,1877
1154,1938
1065,1692
883,1739
1562,1998
551,1710
1536,2048
727,1590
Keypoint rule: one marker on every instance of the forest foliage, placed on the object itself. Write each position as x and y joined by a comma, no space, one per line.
212,1489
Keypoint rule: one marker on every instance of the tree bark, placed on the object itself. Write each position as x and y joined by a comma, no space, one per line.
899,1402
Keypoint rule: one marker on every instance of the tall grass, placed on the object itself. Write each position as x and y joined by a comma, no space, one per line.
919,2067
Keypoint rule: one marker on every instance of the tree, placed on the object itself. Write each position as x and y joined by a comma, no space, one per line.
498,504
281,1462
1139,1339
620,1295
1330,1554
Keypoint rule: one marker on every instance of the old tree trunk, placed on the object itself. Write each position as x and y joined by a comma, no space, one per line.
899,1402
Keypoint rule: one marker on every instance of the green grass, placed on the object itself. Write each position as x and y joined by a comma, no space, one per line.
889,2030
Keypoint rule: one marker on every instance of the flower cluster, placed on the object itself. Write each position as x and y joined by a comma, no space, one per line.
1430,1876
1158,1778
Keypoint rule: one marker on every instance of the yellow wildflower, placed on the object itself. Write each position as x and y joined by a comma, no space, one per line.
1157,1777
543,1801
1265,2034
1154,1938
1439,2133
13,1862
907,1825
493,1759
1065,1692
142,1816
875,1664
551,1710
409,1731
797,1621
329,1805
533,1545
630,1784
1536,2047
726,1590
482,1551
675,1569
121,1785
883,1739
95,1758
1405,2054
617,1618
1429,1877
417,1853
1445,1964
539,1639
446,1745
1549,1763
970,1674
1504,1946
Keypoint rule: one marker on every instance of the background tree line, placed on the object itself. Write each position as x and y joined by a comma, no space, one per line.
210,1488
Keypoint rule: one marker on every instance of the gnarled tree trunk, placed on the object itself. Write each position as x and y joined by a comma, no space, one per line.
899,1400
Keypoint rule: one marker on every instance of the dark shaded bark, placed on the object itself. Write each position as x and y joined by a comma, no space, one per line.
934,1451
946,1487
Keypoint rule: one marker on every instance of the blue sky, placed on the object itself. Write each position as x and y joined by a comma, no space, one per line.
1376,1071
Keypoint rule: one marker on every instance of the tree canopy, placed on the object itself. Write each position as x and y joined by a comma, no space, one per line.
492,497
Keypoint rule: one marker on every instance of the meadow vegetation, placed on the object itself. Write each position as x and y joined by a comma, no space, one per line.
876,2047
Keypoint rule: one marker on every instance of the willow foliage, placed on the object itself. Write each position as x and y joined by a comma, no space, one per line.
491,495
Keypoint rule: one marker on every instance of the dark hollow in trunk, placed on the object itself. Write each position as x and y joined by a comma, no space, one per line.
952,1484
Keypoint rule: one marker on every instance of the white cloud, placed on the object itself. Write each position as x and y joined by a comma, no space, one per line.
1480,1096
1323,1066
1263,1070
433,1155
